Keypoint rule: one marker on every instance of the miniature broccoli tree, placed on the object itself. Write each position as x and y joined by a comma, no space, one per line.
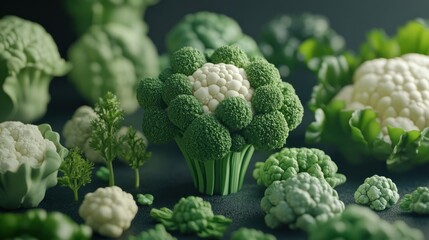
218,108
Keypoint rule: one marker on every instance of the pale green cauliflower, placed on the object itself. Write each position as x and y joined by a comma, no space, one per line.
416,201
377,192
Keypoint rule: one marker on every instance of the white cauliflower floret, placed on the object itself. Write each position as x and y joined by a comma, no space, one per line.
212,83
108,211
397,89
22,144
77,132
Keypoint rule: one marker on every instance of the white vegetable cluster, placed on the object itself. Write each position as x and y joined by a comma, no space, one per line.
109,211
397,89
212,83
22,144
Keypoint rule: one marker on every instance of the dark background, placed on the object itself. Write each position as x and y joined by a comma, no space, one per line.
166,175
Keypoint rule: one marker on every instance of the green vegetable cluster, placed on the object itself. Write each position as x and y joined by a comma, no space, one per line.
377,192
416,201
357,223
39,224
300,202
192,215
145,199
29,59
251,234
156,233
290,161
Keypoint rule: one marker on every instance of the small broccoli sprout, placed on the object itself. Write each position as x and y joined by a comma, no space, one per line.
218,110
145,199
251,234
300,202
29,61
357,222
156,233
416,201
290,161
192,215
377,192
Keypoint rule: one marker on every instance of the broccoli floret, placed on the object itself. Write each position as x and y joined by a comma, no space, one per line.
156,233
300,202
174,85
149,92
235,113
290,161
292,108
164,74
183,110
238,143
377,192
267,99
262,73
206,139
144,199
416,201
230,55
192,215
356,223
187,60
157,127
29,59
251,234
267,131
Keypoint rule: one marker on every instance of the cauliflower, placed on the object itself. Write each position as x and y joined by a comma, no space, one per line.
251,234
397,89
357,223
29,59
30,157
108,211
290,161
300,202
377,192
192,215
416,201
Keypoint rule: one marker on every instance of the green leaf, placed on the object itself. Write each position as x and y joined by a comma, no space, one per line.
379,45
365,126
412,38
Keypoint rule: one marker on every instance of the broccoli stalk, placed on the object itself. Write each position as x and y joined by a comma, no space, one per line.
105,128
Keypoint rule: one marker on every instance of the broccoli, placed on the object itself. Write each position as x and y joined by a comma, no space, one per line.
156,233
218,113
208,30
251,234
357,223
300,202
145,199
29,59
192,215
112,58
290,161
289,41
416,201
377,192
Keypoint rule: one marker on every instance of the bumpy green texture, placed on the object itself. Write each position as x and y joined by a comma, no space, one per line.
251,234
26,187
289,40
416,201
208,30
144,199
156,233
300,202
29,59
357,223
39,224
113,58
207,108
377,192
192,215
358,133
290,161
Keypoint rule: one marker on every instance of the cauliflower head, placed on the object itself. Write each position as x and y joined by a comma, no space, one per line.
290,161
300,202
29,59
251,234
416,201
361,223
378,192
30,157
108,211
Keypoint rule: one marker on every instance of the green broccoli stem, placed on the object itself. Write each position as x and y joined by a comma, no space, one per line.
137,178
111,174
223,176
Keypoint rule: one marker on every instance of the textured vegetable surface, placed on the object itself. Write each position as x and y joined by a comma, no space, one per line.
192,215
299,202
417,201
251,234
156,233
29,59
377,192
